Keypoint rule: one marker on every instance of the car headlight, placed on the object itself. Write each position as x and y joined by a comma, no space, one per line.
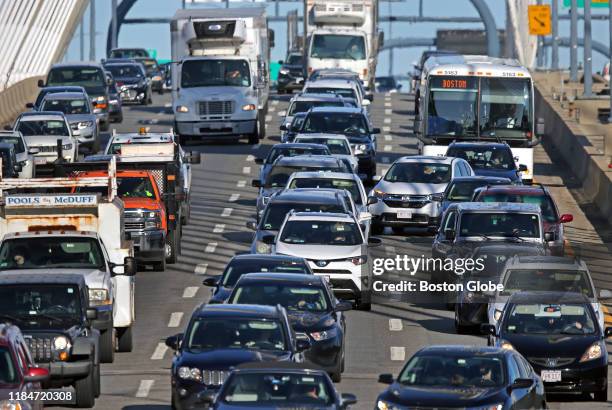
358,260
383,405
11,405
67,147
182,108
85,124
249,107
324,334
262,247
74,126
506,345
187,373
283,71
98,297
61,343
378,193
593,352
436,197
361,148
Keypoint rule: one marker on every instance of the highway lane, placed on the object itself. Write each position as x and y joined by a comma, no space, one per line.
378,341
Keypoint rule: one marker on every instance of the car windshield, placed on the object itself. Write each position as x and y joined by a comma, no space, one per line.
335,123
303,106
51,252
275,213
128,53
504,224
127,187
333,183
66,106
549,319
8,368
277,390
29,127
279,175
337,146
237,268
124,70
321,233
545,202
556,280
14,141
419,173
338,46
343,92
235,333
469,370
295,59
485,157
211,73
462,191
293,151
291,297
88,77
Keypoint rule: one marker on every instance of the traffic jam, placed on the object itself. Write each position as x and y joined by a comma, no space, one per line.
87,211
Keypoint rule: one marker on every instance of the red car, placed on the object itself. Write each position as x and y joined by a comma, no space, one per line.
534,194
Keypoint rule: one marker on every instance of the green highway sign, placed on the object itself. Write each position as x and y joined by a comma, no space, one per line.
594,3
152,52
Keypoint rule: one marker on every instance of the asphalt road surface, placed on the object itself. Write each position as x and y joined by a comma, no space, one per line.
222,201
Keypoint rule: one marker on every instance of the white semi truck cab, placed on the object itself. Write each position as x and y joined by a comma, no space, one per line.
342,34
220,72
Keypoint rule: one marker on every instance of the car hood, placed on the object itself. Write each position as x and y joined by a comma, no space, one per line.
443,396
46,140
534,345
221,359
140,203
302,321
318,252
502,173
95,278
73,118
410,188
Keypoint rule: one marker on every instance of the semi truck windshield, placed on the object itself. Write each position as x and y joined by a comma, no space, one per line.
211,73
338,46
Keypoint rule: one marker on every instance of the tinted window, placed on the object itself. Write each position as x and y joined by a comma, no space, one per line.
85,76
550,319
124,70
321,233
547,206
291,297
29,127
8,368
556,280
303,106
237,268
275,213
344,92
333,183
292,152
236,333
336,123
500,224
485,157
421,173
66,106
14,141
462,191
209,73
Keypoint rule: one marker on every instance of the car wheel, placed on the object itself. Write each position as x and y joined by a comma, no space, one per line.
160,266
125,342
255,136
107,346
602,395
459,328
172,246
377,228
85,391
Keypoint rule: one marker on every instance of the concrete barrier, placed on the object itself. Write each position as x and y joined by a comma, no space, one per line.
588,164
14,99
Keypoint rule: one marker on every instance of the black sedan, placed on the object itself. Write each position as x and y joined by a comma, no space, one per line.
463,377
560,336
247,263
311,307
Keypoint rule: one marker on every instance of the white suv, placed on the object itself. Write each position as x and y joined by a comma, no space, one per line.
334,246
411,192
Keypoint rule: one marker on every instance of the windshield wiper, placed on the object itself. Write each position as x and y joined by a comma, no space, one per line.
50,317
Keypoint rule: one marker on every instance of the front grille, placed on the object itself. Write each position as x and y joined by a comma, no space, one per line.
406,201
332,272
214,377
134,225
216,107
40,348
296,73
46,148
552,362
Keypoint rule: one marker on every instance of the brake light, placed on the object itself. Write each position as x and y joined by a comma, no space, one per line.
102,106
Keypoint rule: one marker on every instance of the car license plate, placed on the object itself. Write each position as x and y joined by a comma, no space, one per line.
551,376
40,161
404,215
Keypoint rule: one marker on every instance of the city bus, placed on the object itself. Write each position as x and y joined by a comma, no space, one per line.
477,98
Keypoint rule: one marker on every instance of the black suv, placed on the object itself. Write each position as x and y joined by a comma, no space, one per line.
220,337
54,316
10,167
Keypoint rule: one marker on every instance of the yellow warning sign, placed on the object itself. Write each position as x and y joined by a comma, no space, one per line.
539,20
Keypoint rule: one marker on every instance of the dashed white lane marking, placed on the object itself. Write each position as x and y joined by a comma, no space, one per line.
387,104
386,129
268,118
144,388
272,109
190,291
388,148
275,102
226,212
246,170
175,319
388,137
387,121
395,325
219,228
241,184
255,147
211,247
201,269
398,353
390,250
159,352
250,158
234,197
388,112
385,160
387,94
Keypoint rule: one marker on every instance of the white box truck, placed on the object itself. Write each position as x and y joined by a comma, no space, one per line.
220,72
342,34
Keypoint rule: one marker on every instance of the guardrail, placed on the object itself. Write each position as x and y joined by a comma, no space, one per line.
14,99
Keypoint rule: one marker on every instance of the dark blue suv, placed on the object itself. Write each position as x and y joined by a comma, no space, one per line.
490,159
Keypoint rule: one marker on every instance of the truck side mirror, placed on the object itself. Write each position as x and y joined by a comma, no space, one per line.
129,266
194,157
29,105
91,314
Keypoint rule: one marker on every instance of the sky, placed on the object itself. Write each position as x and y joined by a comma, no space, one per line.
157,36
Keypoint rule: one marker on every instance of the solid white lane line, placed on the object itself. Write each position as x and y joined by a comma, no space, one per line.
385,160
189,292
159,352
175,319
395,325
388,137
226,212
241,184
219,228
246,170
398,353
201,268
211,247
388,148
234,197
250,158
144,388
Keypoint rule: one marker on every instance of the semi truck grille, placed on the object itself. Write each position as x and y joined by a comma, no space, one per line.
134,225
216,107
41,348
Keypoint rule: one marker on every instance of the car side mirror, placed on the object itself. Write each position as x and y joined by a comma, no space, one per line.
374,242
549,236
386,378
365,216
256,183
521,384
566,218
449,234
41,83
375,130
211,281
252,225
347,399
33,151
283,127
343,306
540,127
302,342
194,157
259,161
488,329
91,314
608,332
372,200
18,168
29,105
36,375
376,178
365,102
174,342
268,239
369,97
